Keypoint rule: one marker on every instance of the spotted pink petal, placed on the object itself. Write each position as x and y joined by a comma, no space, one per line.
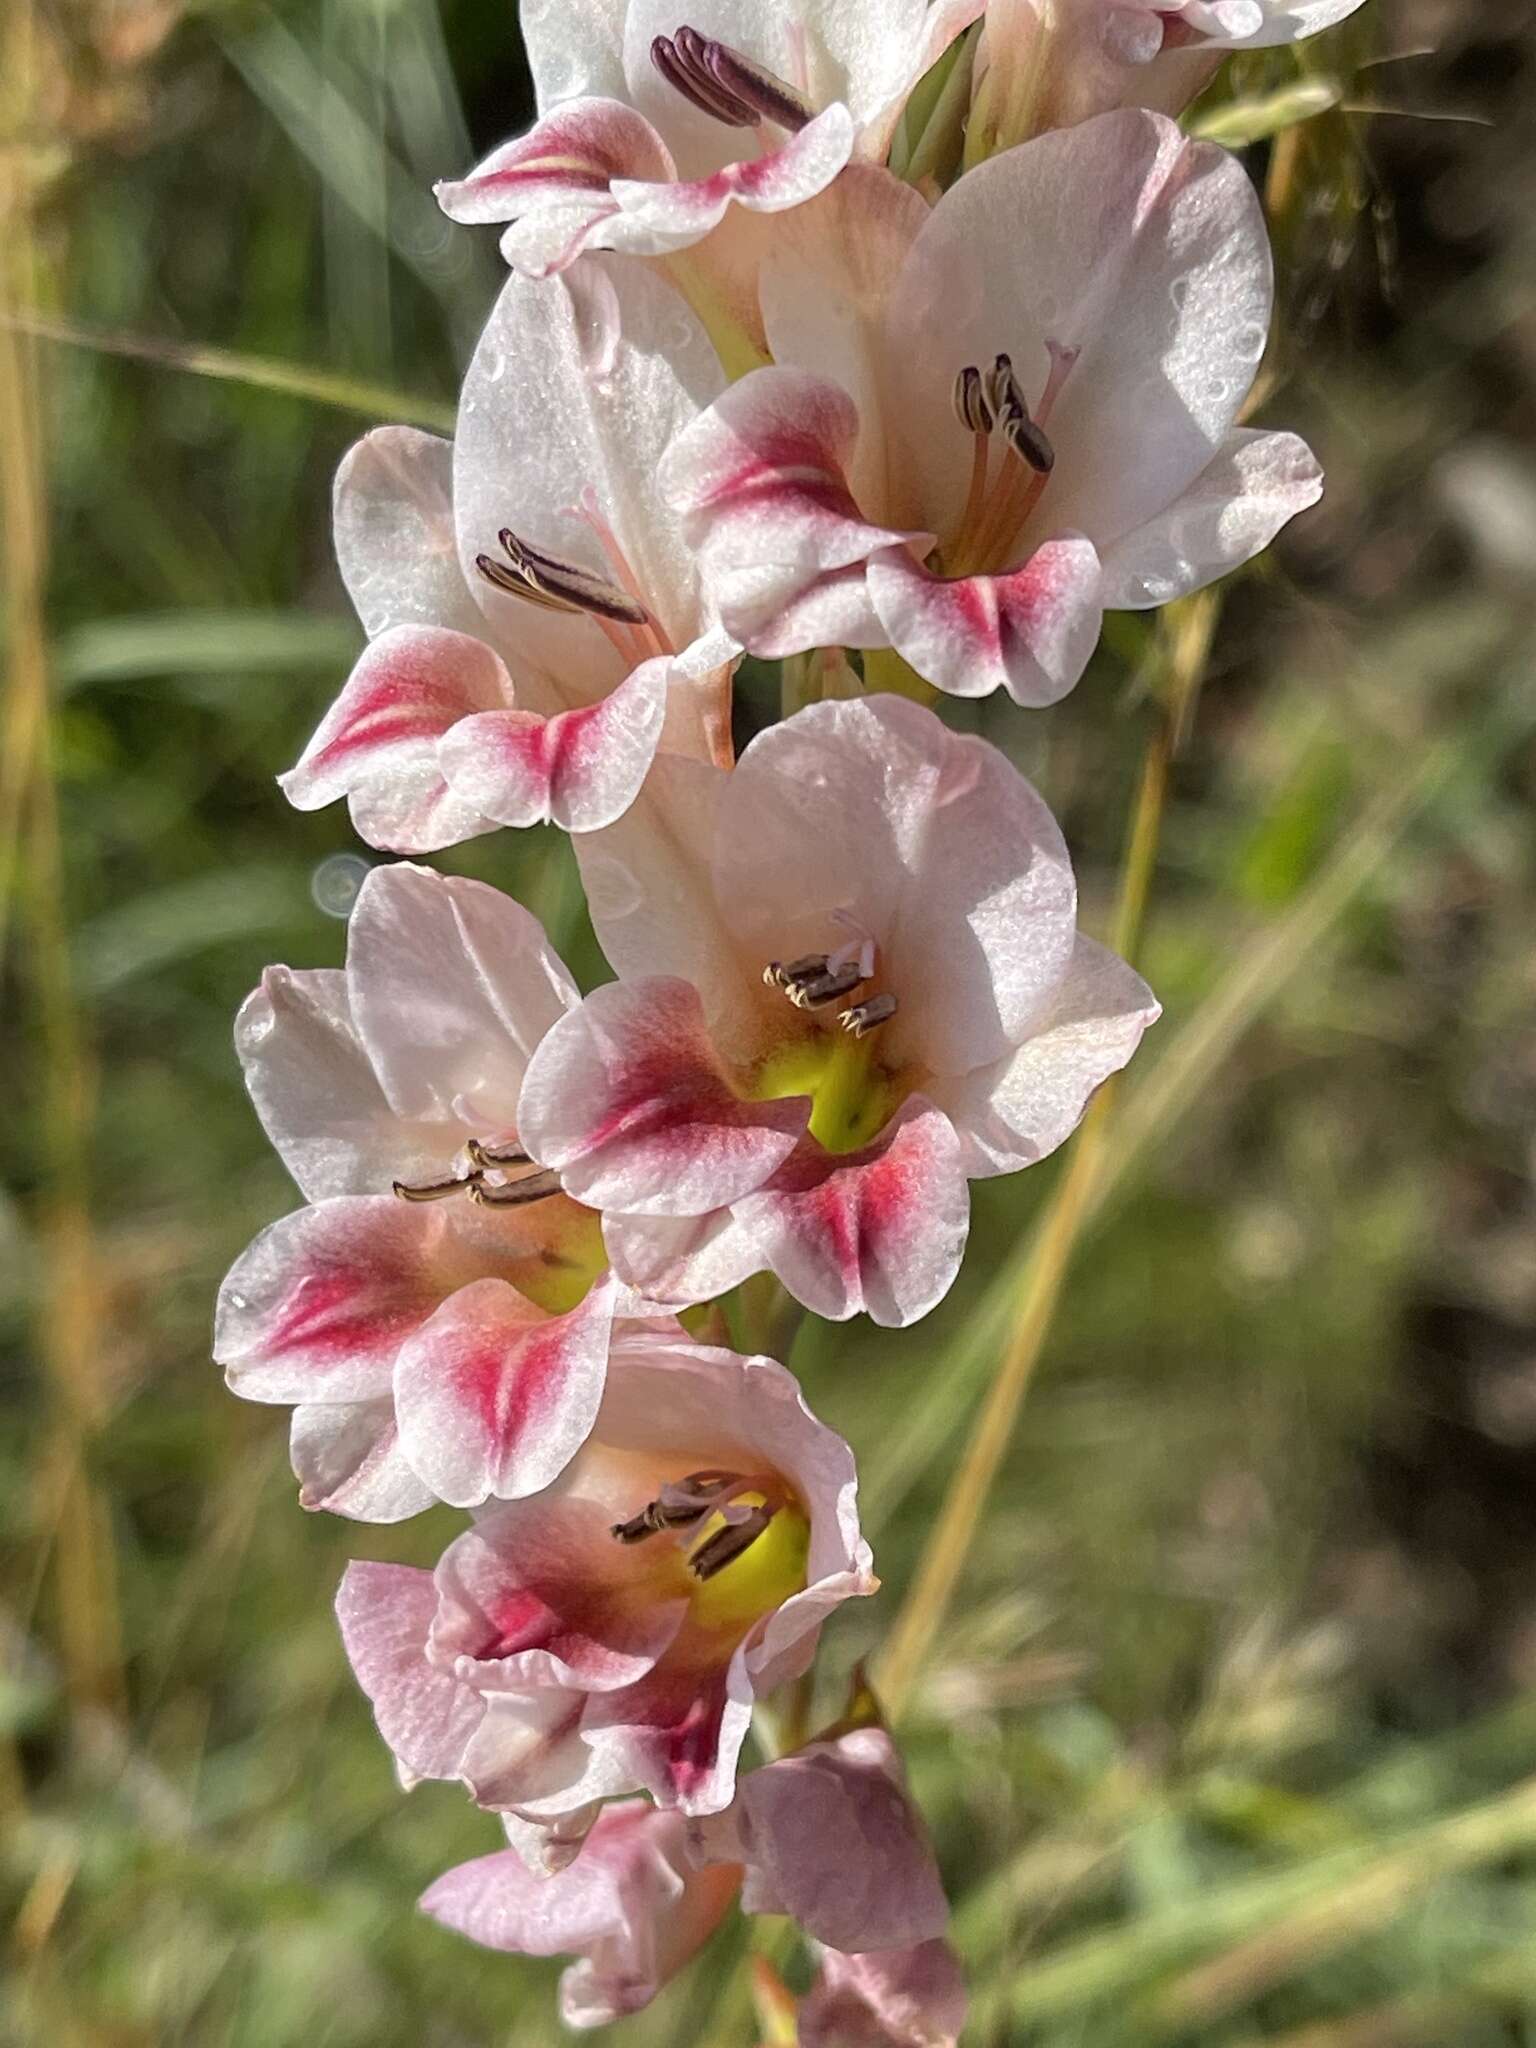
425,1715
377,745
657,218
627,1101
319,1305
495,1397
761,482
1030,632
882,1230
348,1461
579,770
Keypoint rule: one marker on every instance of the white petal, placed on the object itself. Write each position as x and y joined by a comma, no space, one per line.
1019,1110
452,985
316,1093
1232,510
931,842
393,514
573,47
578,385
1148,254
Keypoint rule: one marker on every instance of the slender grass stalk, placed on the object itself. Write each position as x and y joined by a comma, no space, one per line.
72,1513
1188,630
263,373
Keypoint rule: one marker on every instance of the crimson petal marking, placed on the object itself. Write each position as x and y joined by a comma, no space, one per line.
761,481
580,770
496,1398
377,745
570,157
881,1230
317,1308
1030,632
627,1101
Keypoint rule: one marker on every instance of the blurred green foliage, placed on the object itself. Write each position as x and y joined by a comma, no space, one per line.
1230,1738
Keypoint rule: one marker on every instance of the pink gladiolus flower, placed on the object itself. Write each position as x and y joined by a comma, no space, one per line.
536,623
903,1998
656,118
827,1836
850,980
611,1635
448,1348
632,1907
1038,425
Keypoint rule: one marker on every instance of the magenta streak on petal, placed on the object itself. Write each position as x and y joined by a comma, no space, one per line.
556,751
407,703
312,1319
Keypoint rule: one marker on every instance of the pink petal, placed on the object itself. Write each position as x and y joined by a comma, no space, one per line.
319,1305
377,745
494,1397
626,1100
425,1715
657,218
628,1905
761,482
567,160
829,1836
538,1596
579,770
902,1998
1030,632
348,1461
679,1260
882,1230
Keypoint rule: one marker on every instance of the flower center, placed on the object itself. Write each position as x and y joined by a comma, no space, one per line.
488,1180
726,85
744,1542
991,406
852,1091
555,584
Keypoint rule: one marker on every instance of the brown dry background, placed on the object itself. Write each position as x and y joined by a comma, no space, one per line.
1232,1733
